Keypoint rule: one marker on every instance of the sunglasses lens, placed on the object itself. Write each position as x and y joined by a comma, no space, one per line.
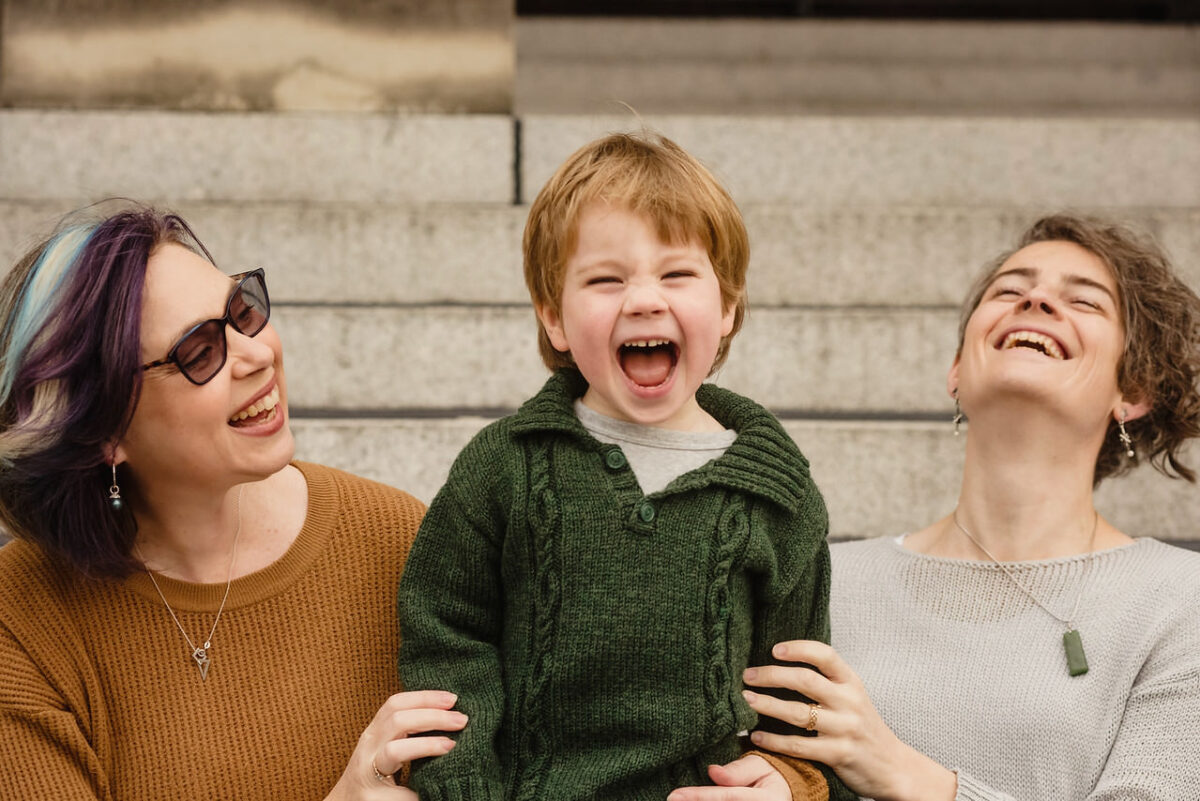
201,353
250,308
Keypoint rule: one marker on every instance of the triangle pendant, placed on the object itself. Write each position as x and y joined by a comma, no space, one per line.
202,662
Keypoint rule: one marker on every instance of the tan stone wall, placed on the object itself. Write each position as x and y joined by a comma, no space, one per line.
314,55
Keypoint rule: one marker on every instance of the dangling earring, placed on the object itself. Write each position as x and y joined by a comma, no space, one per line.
114,492
1126,440
958,415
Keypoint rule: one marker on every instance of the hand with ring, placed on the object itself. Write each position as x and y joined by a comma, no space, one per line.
851,736
387,744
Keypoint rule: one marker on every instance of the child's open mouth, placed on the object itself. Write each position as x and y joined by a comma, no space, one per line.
648,362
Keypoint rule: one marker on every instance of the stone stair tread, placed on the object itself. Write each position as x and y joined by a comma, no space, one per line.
837,359
241,156
408,254
877,477
911,160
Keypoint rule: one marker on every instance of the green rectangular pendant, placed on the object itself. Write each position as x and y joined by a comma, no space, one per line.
1076,661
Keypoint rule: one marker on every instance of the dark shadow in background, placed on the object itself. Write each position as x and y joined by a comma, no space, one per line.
1180,11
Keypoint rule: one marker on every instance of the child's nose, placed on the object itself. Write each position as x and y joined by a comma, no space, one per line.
644,298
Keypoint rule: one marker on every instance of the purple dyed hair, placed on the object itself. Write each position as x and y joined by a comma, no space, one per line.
70,352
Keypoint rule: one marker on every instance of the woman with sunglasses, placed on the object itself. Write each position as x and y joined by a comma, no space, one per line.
185,611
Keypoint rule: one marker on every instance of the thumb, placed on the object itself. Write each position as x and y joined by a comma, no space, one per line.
742,772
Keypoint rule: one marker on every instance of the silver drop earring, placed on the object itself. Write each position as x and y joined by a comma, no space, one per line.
958,415
114,492
1126,440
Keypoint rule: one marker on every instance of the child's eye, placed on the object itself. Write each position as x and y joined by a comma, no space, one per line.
1005,291
680,274
602,279
1089,304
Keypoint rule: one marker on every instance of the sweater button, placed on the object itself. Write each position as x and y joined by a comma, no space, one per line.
615,459
646,512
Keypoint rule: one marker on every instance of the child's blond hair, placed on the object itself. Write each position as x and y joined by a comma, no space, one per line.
649,175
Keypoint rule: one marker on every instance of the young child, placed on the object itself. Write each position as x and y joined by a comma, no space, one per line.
601,566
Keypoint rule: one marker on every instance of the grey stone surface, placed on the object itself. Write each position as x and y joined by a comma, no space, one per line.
909,255
888,161
409,254
738,66
732,40
335,253
244,55
877,477
335,158
817,360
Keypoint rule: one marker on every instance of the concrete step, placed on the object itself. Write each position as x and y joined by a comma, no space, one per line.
365,158
877,477
858,360
921,161
470,253
807,161
738,66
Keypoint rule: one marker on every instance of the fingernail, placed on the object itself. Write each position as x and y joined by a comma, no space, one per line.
780,651
447,745
461,717
749,674
756,737
749,696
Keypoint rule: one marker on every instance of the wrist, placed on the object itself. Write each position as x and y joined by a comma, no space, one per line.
930,782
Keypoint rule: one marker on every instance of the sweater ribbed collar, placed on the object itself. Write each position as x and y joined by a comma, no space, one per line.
762,461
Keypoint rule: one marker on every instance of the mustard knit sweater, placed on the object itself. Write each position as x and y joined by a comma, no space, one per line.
100,699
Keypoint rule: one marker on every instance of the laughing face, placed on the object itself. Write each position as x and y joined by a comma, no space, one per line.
1048,325
229,430
642,319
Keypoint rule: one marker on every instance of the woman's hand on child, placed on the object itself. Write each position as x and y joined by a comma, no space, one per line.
750,778
387,744
851,736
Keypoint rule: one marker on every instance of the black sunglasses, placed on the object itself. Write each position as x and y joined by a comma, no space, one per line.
201,352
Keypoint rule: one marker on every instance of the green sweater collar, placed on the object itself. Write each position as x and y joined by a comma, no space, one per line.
762,461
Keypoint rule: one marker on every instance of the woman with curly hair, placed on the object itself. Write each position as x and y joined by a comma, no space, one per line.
1023,647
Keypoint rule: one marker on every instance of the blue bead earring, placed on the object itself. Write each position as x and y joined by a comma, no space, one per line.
114,492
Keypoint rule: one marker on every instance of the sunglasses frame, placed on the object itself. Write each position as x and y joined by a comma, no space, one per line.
172,356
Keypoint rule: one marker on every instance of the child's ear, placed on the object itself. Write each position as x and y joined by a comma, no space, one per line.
552,321
727,319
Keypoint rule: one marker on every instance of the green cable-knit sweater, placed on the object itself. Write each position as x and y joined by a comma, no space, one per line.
596,636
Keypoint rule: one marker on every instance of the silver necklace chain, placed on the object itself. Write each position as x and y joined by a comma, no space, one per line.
1068,622
201,654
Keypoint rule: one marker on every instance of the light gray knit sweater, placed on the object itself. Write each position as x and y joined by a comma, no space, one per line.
966,669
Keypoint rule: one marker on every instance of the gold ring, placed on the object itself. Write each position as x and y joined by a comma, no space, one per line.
379,776
812,717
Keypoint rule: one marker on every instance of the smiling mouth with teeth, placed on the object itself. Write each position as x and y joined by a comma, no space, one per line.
648,362
261,410
1034,341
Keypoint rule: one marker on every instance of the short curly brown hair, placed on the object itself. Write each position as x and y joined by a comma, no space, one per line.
647,174
1161,314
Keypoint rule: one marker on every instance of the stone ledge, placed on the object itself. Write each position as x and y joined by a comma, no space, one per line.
438,253
817,360
188,156
731,66
922,161
877,478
